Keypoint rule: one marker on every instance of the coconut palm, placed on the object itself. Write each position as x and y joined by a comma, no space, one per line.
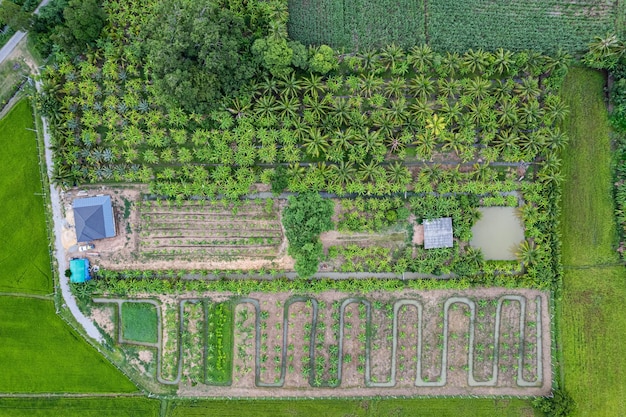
369,140
370,84
265,106
527,253
395,87
312,85
344,173
421,86
316,106
398,174
476,61
316,143
369,60
391,56
478,88
398,110
289,85
502,61
425,143
451,112
421,58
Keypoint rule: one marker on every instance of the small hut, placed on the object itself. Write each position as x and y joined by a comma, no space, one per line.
438,233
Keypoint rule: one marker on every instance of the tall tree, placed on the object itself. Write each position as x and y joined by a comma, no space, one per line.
198,53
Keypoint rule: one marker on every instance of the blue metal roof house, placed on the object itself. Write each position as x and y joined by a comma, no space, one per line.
80,270
93,217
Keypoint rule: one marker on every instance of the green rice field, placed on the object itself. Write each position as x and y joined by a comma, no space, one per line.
435,407
24,256
592,318
39,353
139,322
79,407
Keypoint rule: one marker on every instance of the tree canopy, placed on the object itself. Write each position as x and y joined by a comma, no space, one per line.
306,216
198,53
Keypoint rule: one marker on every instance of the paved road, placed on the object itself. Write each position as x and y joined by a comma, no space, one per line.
17,37
10,45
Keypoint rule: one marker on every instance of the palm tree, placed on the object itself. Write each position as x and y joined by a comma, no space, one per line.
421,86
369,59
315,106
556,140
267,86
395,87
420,111
370,84
312,85
478,88
399,110
391,56
421,58
425,145
476,61
436,125
530,114
287,107
344,173
556,109
289,85
451,112
398,174
371,171
369,140
265,106
527,253
448,88
502,61
316,143
506,140
340,110
528,89
507,113
450,64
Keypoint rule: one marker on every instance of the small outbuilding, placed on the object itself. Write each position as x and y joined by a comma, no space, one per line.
438,233
80,270
93,217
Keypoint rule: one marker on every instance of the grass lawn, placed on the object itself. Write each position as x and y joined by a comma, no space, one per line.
440,407
139,322
24,258
40,353
79,407
592,315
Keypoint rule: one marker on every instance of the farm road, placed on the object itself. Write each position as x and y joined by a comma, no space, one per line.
59,250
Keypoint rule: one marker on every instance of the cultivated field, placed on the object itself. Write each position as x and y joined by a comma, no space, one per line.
490,341
213,231
592,315
452,25
24,257
357,23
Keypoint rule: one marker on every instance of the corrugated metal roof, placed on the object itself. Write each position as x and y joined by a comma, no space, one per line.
438,233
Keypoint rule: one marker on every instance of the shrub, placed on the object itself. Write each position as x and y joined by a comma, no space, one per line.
561,404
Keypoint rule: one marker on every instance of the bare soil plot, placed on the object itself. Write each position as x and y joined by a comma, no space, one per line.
472,342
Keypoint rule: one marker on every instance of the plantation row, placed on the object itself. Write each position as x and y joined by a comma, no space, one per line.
452,25
402,345
357,130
